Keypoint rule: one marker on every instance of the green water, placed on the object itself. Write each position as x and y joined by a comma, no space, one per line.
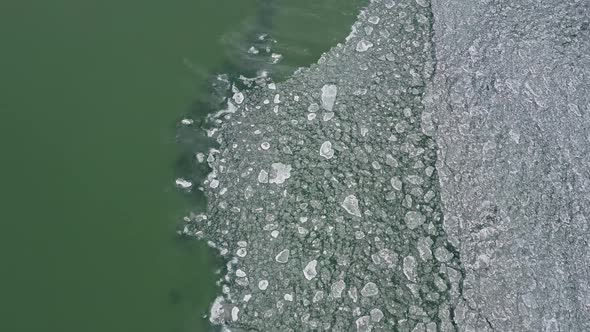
90,92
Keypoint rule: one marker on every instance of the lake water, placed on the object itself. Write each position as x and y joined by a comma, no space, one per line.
90,94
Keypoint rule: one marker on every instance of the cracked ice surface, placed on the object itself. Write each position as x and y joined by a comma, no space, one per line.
333,239
512,171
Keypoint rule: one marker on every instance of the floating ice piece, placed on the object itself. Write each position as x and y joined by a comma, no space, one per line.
272,86
238,97
410,268
242,252
370,289
319,295
353,294
214,183
329,92
234,313
263,284
211,132
374,19
288,297
414,219
337,288
276,57
351,205
253,50
283,256
442,254
422,3
263,176
363,324
217,311
309,272
265,145
414,179
182,183
231,108
326,150
389,160
396,183
423,246
187,122
363,45
376,315
279,172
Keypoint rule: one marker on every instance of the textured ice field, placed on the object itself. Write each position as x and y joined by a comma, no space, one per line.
430,173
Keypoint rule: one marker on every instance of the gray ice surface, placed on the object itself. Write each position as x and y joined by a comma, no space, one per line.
509,109
443,184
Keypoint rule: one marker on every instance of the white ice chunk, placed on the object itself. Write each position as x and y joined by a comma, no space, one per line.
234,313
242,252
319,295
279,172
363,324
422,3
283,256
214,183
238,97
363,45
309,272
329,92
370,289
184,184
376,315
410,268
326,150
217,311
396,183
337,288
328,116
276,57
414,219
263,176
351,205
263,284
374,19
